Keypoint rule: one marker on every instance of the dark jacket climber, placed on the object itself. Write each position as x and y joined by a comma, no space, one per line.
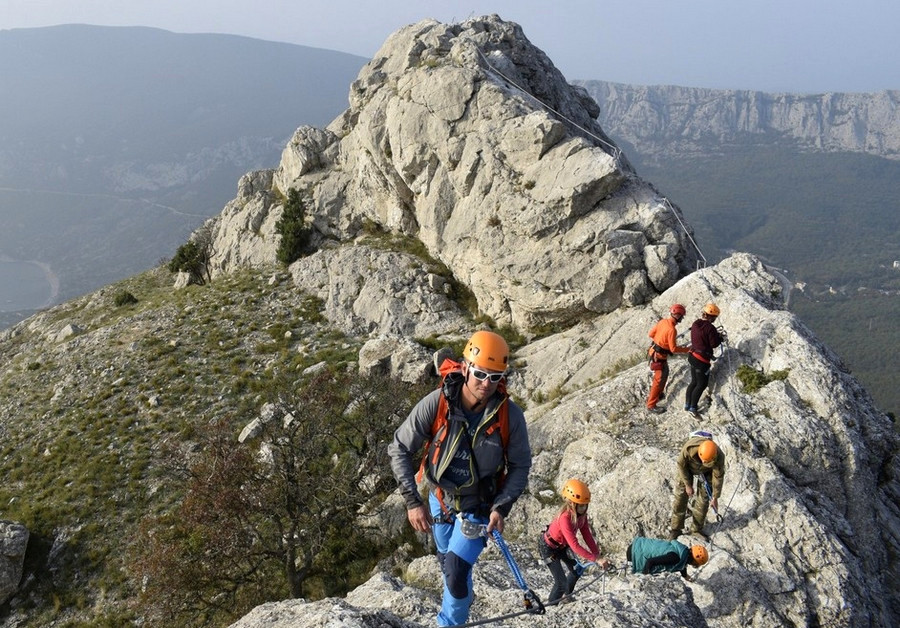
704,339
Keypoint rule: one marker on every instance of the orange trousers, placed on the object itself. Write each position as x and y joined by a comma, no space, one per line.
657,388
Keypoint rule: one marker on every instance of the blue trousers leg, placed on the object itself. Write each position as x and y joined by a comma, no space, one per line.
460,555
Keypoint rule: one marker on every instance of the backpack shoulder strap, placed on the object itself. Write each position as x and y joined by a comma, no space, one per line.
447,367
503,418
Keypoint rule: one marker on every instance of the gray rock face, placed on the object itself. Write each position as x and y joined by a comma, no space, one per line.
367,290
669,120
806,533
13,542
541,217
399,357
446,141
810,518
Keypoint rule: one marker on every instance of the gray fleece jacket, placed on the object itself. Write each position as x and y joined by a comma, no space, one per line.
487,462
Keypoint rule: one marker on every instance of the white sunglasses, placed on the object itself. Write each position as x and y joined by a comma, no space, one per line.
481,375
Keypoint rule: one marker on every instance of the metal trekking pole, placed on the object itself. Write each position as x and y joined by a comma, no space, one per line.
710,497
532,602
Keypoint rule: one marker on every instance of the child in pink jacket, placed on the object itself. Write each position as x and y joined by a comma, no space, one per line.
559,543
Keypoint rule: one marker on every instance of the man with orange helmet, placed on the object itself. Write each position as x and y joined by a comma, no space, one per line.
700,456
476,464
663,344
656,555
704,338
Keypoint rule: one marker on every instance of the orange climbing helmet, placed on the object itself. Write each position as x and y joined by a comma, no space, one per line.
700,555
576,491
487,350
707,451
711,309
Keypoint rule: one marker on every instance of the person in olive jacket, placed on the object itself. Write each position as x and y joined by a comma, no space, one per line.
700,457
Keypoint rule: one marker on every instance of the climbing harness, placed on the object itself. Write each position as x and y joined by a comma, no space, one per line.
471,529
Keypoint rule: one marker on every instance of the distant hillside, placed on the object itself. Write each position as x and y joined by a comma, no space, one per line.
810,183
666,120
116,142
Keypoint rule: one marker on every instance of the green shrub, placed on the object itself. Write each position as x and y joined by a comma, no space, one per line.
292,229
249,530
123,297
191,258
753,379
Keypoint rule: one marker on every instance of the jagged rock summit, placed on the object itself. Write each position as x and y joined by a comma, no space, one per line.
450,139
542,218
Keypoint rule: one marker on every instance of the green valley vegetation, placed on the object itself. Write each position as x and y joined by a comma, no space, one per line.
160,128
111,441
863,330
831,221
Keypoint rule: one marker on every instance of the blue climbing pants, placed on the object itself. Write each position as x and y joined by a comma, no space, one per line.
457,556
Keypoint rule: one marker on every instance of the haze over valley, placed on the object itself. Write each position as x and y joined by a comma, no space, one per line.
116,143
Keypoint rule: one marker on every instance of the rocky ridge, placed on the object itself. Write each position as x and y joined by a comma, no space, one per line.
805,526
810,516
672,121
811,527
441,144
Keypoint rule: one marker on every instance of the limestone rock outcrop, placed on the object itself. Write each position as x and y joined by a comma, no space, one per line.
450,140
810,524
667,120
369,290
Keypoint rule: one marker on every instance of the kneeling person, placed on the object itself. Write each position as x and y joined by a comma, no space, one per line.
648,556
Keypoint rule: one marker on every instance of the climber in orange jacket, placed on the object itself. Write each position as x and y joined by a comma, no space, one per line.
663,337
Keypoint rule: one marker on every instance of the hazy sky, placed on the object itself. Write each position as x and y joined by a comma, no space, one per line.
770,45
